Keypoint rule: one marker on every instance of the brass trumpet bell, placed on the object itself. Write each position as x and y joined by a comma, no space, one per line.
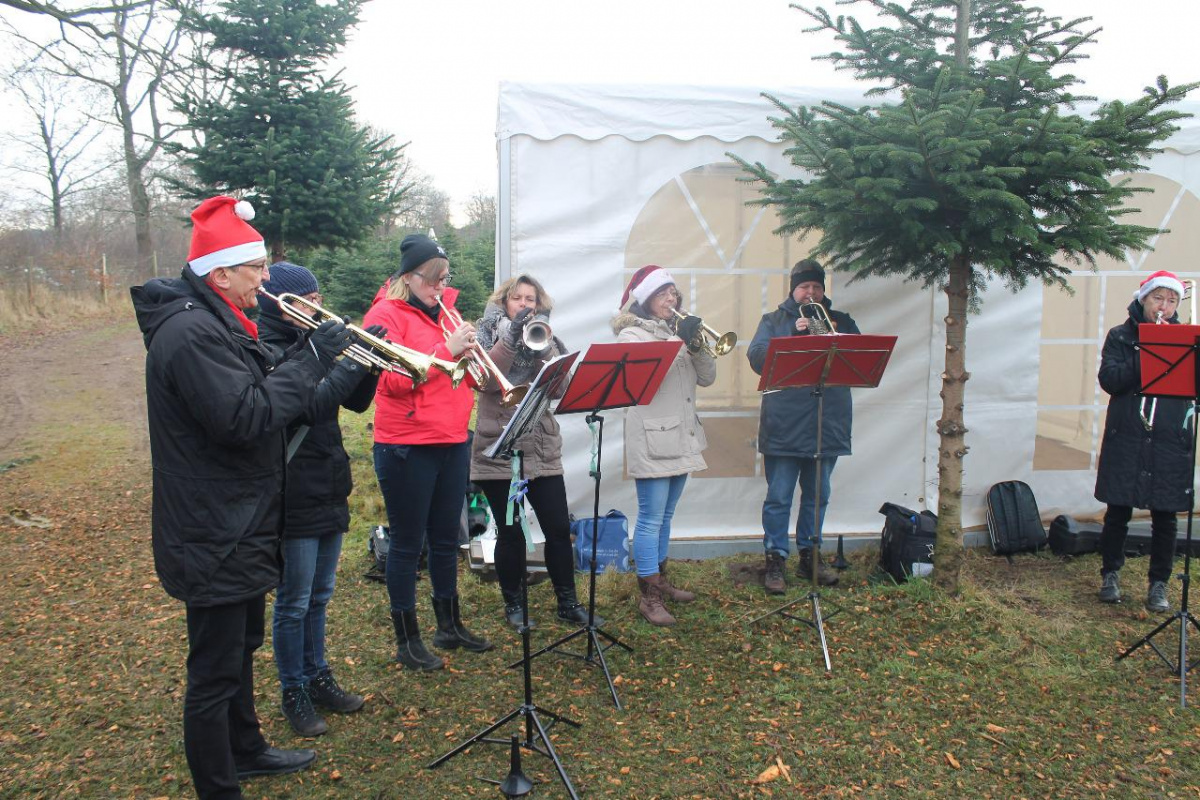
709,340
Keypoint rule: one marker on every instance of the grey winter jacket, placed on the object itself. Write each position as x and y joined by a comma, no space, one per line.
665,438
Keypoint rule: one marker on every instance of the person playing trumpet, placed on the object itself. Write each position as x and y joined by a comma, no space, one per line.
787,431
510,309
664,441
1145,456
421,452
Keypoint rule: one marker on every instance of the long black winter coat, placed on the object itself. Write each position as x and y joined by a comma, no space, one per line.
787,423
1140,468
219,402
318,476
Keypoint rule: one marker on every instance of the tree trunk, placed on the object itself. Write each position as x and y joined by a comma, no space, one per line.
948,550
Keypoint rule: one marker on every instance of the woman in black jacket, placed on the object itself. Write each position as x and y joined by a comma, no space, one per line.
1145,457
316,515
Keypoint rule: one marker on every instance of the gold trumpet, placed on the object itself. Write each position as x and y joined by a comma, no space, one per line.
709,340
480,363
370,351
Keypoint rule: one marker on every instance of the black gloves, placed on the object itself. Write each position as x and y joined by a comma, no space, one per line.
513,337
330,339
688,329
378,331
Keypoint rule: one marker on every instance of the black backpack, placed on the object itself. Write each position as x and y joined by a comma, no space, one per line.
907,543
1013,521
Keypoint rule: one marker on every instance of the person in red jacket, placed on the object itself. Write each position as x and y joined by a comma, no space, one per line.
422,456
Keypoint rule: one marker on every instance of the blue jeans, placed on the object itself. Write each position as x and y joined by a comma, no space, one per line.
783,473
657,498
298,626
424,488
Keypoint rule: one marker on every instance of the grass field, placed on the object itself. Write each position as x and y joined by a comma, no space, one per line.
1010,690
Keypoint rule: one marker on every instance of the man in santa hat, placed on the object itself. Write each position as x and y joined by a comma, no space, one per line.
219,402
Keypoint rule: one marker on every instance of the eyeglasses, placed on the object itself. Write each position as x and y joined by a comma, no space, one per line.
445,280
313,297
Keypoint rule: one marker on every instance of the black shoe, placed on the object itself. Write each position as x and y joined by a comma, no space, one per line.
577,614
410,650
451,632
804,568
274,761
514,610
326,693
1110,588
298,708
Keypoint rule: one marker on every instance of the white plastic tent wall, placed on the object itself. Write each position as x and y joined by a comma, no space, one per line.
595,181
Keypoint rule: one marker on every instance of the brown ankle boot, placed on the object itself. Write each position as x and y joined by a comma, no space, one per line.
773,581
651,602
670,592
826,576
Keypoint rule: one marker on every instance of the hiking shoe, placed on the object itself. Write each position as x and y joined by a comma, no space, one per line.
326,693
804,568
773,581
298,708
1110,589
1156,597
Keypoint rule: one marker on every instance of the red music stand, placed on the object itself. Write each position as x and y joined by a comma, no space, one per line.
835,359
1168,369
610,376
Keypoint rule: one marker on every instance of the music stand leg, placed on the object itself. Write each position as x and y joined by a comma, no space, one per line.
595,649
535,730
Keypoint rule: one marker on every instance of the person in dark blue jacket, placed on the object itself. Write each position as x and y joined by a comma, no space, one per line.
787,436
316,515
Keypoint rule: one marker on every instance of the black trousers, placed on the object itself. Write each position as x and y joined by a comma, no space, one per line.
220,728
548,498
1163,529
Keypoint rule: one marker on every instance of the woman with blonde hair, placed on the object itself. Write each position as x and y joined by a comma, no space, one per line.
664,441
501,332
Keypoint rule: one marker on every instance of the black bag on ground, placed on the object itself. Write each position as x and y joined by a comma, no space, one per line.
1013,521
907,541
1069,537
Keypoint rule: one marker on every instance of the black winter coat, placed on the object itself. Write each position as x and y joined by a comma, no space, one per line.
218,402
1140,468
787,423
318,476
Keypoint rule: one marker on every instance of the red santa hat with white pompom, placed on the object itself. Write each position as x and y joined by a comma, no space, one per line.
1159,280
221,235
644,283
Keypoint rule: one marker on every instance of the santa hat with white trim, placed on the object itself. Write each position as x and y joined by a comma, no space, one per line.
1159,280
645,282
221,236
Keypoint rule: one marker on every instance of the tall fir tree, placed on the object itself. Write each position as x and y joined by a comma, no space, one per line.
284,136
976,166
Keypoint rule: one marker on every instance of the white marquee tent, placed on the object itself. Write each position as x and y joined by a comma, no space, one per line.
596,181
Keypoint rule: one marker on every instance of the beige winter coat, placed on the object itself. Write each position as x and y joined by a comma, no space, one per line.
666,438
541,448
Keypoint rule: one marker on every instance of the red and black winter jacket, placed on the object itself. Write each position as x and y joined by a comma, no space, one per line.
428,413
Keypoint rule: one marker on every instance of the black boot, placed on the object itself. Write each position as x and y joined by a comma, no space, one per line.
569,607
326,693
825,575
514,609
410,650
451,632
298,708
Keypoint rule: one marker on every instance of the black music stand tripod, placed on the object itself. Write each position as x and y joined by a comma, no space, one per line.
537,738
795,362
610,376
1170,357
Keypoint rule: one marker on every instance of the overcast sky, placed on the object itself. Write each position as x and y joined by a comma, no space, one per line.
429,72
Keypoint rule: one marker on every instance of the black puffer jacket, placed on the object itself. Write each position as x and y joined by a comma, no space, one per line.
1140,468
218,403
787,423
318,476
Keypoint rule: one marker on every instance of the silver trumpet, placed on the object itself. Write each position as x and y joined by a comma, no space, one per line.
819,323
1148,419
537,334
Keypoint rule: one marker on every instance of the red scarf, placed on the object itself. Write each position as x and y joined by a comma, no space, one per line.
249,325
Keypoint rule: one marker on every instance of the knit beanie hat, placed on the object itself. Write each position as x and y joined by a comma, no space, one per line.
221,236
644,283
1156,280
415,250
287,278
805,271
